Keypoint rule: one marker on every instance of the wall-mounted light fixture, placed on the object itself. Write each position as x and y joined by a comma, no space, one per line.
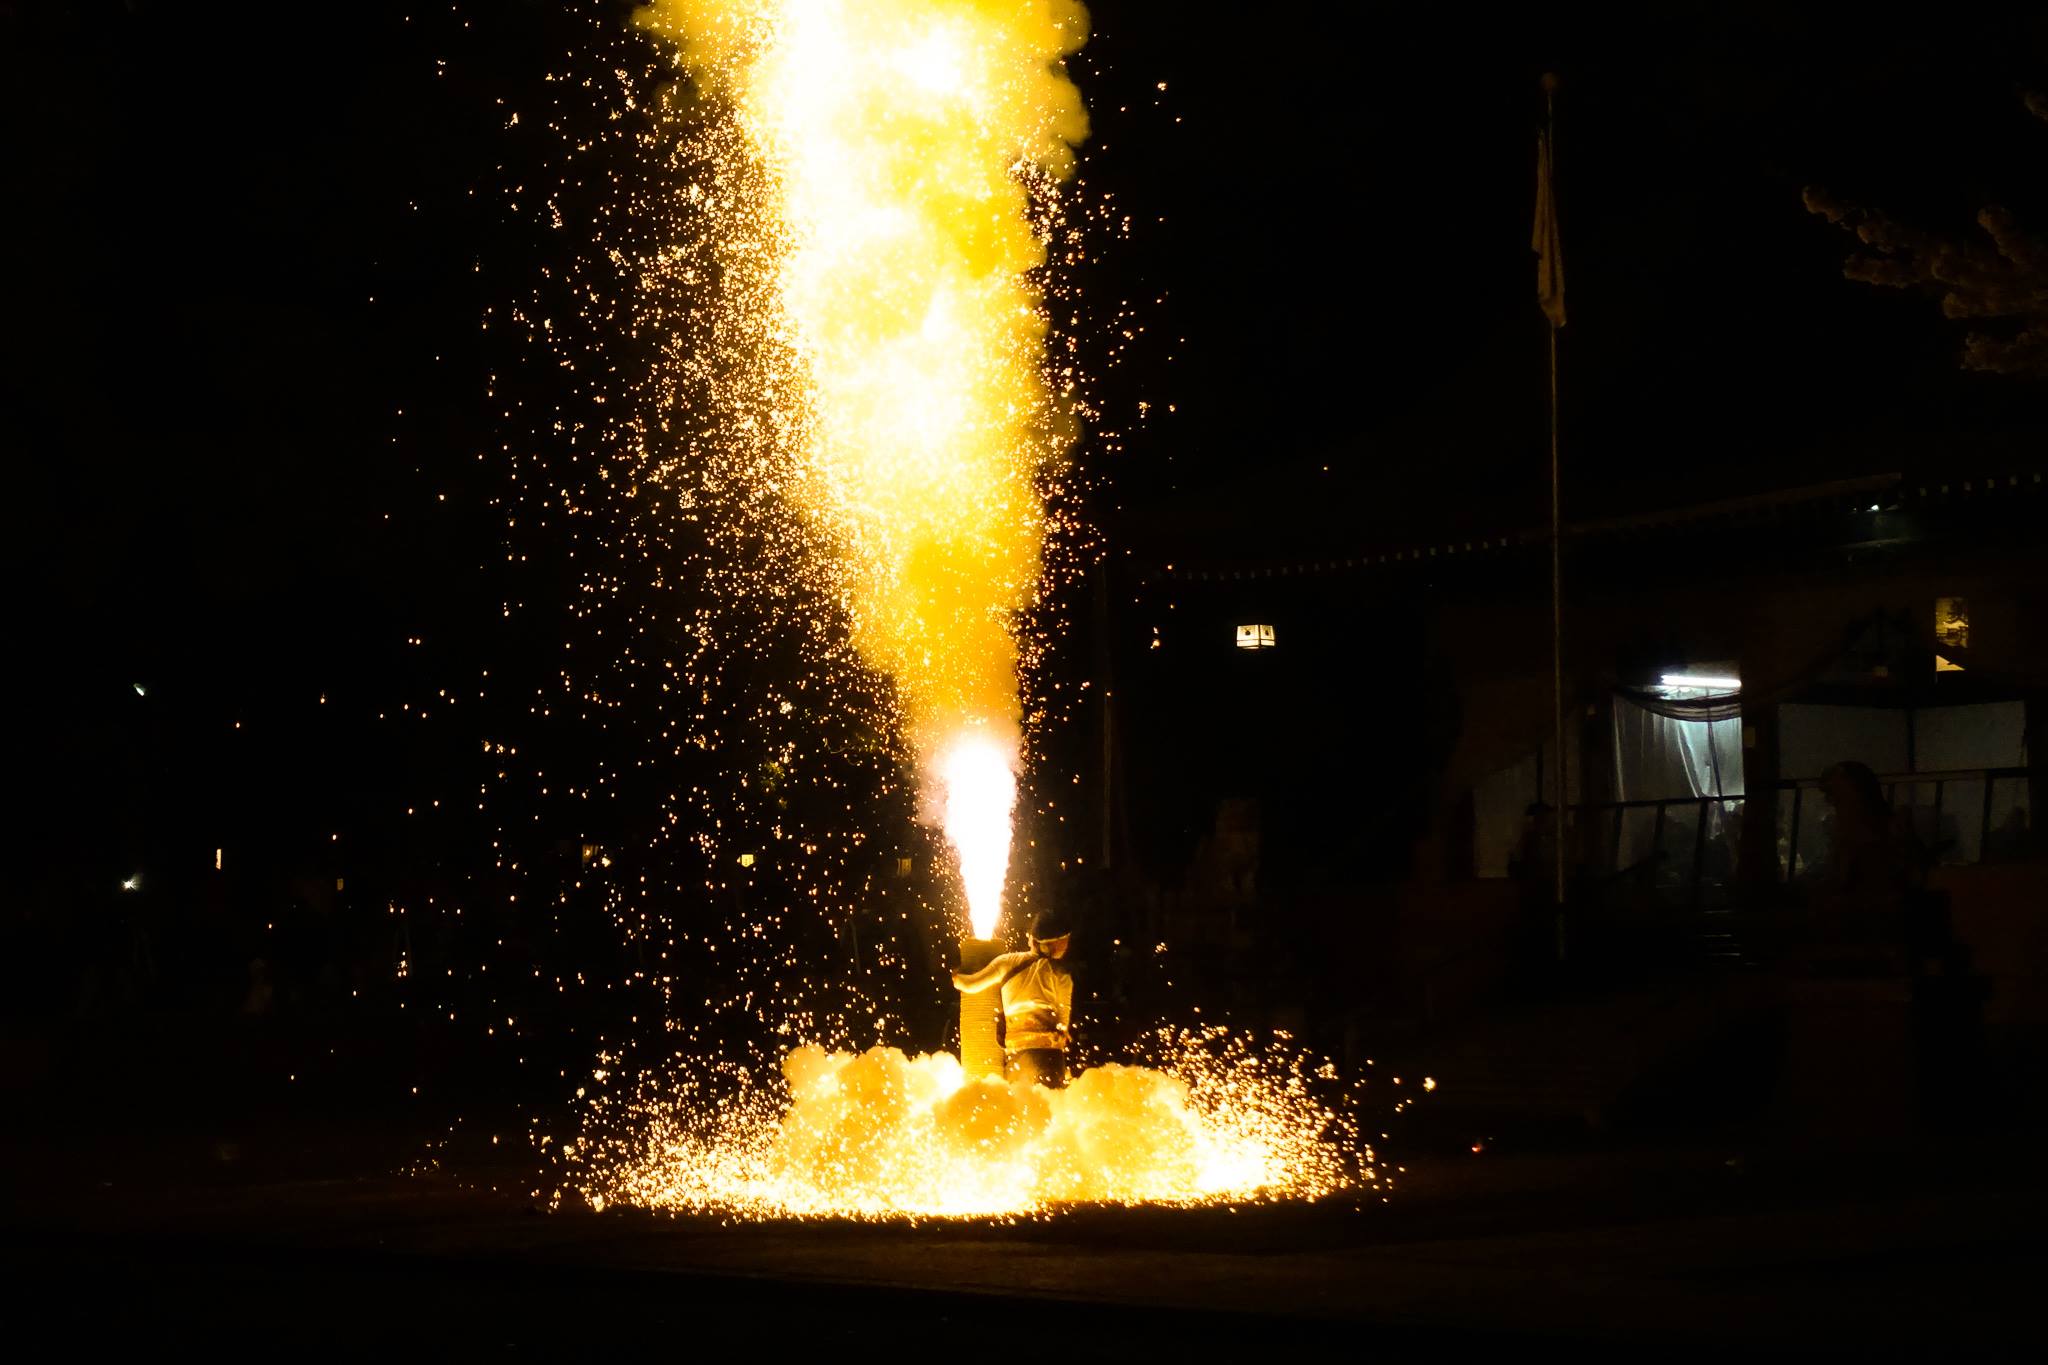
1703,682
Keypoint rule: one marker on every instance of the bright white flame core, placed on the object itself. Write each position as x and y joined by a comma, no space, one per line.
976,771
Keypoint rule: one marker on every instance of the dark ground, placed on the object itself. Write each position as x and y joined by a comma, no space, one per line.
210,1177
296,1235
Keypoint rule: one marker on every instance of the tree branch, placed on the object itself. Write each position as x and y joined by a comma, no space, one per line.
2001,274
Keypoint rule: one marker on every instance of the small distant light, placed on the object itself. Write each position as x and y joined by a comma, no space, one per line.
1873,507
133,883
216,860
139,691
746,860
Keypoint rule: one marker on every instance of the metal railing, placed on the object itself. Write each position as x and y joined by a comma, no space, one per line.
1960,817
1684,848
1679,846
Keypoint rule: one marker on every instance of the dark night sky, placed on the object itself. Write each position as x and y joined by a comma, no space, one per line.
221,294
1346,244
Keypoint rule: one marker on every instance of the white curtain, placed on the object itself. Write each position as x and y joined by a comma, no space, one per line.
1660,759
1812,738
1712,751
1987,735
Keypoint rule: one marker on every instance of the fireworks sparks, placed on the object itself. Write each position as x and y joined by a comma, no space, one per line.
807,485
894,151
786,410
879,1135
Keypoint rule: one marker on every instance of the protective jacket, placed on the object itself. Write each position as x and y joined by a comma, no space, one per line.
1038,998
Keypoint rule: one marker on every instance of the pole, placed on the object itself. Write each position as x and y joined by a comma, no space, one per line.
1557,804
1105,678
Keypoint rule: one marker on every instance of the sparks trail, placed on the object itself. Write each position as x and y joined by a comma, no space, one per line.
882,189
712,720
890,155
787,413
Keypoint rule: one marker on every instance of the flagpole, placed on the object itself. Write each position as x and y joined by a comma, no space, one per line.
1558,785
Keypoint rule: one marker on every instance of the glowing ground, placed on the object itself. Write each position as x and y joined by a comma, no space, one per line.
879,1134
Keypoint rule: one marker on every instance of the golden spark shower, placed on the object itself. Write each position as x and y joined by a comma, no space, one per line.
879,1134
788,404
900,144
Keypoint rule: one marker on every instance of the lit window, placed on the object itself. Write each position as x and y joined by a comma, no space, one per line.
1254,637
1952,624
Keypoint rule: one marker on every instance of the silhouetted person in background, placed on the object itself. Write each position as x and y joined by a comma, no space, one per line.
1534,864
1873,866
1864,1034
1534,869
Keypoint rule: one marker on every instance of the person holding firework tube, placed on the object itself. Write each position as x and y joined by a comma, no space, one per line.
1038,1002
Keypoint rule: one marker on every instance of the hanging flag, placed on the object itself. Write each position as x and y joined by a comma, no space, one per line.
1544,240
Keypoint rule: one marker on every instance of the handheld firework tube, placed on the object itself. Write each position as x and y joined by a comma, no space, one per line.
981,1051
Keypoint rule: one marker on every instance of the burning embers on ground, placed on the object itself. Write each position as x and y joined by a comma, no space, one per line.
881,1134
